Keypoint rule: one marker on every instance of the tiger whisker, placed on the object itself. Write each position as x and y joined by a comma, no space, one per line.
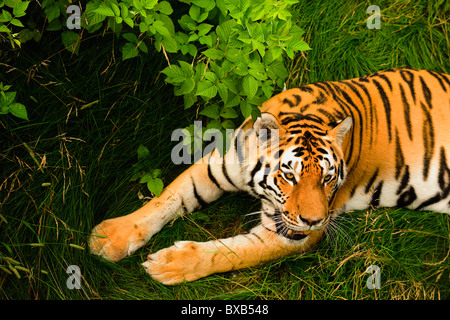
339,233
254,213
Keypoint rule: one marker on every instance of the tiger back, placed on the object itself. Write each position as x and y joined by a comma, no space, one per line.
396,152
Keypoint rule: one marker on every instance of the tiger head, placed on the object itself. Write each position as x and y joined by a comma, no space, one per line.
306,168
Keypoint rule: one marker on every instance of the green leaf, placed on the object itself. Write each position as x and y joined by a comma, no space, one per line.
3,28
189,100
208,5
276,52
143,47
138,5
212,124
225,30
168,23
159,26
290,53
222,7
131,37
143,153
187,86
233,55
277,70
256,113
250,86
246,108
18,110
187,23
229,113
123,10
214,54
10,3
91,20
6,16
193,37
155,186
220,73
228,124
260,47
116,9
19,9
26,35
203,29
211,76
17,23
129,51
245,38
4,109
5,87
233,100
203,17
194,12
104,10
129,22
150,4
211,111
7,98
175,74
153,174
143,27
206,89
223,91
192,50
70,41
146,178
299,45
230,85
156,173
187,68
267,88
208,39
165,7
170,44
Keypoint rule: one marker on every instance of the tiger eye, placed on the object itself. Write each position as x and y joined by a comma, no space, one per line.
289,176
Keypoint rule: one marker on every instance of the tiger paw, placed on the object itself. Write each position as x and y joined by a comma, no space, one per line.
114,239
178,263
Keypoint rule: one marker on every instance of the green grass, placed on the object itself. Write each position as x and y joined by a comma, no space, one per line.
87,152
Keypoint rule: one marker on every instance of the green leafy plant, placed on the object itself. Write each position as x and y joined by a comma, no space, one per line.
8,103
152,178
11,11
232,51
154,183
225,57
240,57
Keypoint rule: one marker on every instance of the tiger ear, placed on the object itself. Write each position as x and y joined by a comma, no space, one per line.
266,121
341,129
268,129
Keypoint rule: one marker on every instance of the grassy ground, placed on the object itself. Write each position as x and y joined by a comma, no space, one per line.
86,154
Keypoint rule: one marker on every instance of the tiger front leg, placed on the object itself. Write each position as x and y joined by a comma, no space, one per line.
114,239
189,261
117,238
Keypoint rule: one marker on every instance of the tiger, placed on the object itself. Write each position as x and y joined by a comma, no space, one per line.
316,152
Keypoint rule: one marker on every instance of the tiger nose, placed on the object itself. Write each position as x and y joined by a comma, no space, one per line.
310,221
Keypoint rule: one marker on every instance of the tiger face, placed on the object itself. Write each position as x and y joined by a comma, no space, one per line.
306,171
